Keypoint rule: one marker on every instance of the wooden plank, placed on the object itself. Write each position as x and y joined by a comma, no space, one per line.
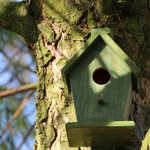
95,32
108,31
103,148
90,134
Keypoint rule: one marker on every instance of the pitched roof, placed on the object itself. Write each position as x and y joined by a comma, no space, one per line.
102,34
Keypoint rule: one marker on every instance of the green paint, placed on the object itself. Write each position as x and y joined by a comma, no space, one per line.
110,124
128,62
114,93
95,32
101,133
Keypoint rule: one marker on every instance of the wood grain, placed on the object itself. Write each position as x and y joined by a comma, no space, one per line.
91,134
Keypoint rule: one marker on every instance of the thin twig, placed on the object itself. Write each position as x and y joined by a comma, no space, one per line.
16,114
13,62
25,138
122,26
18,90
91,15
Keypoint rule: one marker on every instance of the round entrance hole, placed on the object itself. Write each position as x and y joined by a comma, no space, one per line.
101,76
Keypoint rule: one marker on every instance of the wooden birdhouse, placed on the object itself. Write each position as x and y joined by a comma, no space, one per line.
101,78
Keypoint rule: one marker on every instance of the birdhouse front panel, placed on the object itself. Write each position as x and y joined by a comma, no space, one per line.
101,85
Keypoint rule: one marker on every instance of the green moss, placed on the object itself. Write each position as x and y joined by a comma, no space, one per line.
52,93
61,62
146,142
66,10
44,136
76,36
57,37
42,110
76,46
49,76
64,26
50,135
70,112
40,134
63,46
47,57
134,29
18,20
60,84
47,31
105,7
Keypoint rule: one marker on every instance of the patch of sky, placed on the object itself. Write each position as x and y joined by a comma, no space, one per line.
16,0
5,76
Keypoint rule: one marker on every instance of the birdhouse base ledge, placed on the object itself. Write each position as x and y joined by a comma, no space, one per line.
91,134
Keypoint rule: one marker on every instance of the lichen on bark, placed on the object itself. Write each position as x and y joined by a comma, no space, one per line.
55,30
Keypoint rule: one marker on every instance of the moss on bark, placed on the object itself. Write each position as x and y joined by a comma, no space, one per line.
55,30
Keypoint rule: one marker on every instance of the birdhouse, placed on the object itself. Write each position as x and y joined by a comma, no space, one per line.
101,78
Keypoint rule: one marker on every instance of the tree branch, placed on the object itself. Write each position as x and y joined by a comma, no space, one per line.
16,17
16,114
25,138
23,88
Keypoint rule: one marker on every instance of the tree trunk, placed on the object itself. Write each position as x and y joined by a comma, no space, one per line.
55,30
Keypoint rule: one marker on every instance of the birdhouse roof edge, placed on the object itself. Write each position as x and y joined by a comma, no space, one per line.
127,61
100,31
95,33
77,57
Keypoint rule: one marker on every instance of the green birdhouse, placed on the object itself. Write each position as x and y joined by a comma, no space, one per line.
101,78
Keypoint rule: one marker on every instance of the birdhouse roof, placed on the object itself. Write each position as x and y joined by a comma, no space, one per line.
102,35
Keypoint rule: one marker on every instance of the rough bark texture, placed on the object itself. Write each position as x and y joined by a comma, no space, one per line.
55,30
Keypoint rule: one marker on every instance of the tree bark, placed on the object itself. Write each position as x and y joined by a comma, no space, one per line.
55,30
17,17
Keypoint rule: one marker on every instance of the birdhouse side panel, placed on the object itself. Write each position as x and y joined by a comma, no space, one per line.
128,103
